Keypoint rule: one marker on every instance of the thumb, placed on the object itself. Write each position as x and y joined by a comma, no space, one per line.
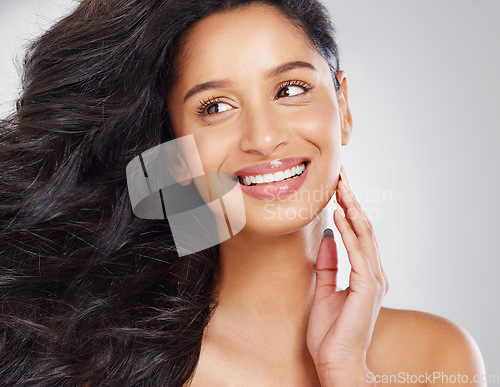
326,266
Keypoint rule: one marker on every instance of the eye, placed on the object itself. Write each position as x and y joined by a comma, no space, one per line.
290,91
293,88
213,106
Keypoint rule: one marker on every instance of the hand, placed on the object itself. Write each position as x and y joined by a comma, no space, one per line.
341,323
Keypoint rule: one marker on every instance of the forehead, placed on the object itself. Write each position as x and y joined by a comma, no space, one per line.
242,41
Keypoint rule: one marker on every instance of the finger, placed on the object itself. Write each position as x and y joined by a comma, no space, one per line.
361,227
370,244
363,230
356,217
339,207
326,266
345,178
386,280
357,258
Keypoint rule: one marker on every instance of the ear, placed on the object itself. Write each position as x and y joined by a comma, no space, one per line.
345,113
178,168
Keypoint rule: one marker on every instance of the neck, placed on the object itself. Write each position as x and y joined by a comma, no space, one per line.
266,284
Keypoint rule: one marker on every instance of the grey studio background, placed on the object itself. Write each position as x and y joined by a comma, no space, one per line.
424,91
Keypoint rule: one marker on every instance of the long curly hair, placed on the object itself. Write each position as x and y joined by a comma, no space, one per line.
89,292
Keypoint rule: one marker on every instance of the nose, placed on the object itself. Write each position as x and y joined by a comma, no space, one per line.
263,130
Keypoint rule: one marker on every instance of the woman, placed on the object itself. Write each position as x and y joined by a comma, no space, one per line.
94,295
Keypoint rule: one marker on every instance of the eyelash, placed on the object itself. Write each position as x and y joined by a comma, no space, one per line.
302,84
204,104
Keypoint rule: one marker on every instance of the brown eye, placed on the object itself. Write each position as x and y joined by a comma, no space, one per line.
213,109
218,107
290,91
213,106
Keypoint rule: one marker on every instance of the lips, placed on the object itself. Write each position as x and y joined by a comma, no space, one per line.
271,167
273,190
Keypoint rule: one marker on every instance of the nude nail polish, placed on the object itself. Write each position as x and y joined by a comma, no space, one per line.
344,176
340,209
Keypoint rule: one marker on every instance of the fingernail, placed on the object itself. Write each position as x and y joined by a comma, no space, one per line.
340,209
328,233
345,177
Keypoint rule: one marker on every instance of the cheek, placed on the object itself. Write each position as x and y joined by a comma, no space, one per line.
182,127
177,125
319,124
213,147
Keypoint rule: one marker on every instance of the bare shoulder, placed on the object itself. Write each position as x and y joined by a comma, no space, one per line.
407,341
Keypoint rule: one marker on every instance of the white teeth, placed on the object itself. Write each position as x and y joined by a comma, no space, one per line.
268,177
277,176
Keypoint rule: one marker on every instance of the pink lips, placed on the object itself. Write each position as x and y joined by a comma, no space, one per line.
273,166
273,191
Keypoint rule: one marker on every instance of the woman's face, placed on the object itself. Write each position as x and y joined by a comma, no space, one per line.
256,94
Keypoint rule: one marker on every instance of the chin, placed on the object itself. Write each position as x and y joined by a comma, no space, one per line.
278,219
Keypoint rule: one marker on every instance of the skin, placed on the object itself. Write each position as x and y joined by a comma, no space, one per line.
280,319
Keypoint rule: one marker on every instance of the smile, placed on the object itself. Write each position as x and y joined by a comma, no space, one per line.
275,185
287,174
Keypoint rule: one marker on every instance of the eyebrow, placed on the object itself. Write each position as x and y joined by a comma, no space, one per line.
206,86
287,67
269,74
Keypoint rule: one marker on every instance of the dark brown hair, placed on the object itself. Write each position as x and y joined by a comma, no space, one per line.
90,293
